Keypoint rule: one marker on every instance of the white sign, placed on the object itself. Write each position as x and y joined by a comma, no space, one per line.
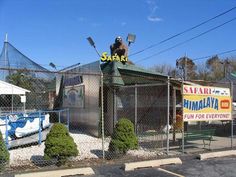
201,103
23,99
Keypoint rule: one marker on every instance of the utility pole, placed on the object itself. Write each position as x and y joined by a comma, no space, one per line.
226,67
225,64
185,67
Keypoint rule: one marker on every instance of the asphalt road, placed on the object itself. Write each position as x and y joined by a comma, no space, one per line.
216,167
191,167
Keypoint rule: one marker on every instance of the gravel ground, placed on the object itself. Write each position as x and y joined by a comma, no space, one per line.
22,156
144,153
88,146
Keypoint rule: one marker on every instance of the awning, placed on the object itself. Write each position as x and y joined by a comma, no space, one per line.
10,89
118,74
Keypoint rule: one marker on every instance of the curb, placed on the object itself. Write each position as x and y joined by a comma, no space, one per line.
59,173
152,163
217,154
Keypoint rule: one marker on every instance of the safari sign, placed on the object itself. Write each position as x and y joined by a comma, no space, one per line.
202,103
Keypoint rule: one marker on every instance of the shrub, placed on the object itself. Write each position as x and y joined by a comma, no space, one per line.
59,144
123,137
4,154
58,129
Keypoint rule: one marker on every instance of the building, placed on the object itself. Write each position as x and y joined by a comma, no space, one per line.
128,91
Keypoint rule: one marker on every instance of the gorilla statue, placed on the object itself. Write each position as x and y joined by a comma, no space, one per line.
119,48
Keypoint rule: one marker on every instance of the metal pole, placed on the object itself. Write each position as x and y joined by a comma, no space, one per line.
114,108
182,119
6,132
40,130
68,119
59,116
183,140
174,113
12,99
97,51
135,109
185,68
6,40
168,114
232,121
5,55
12,103
102,114
232,132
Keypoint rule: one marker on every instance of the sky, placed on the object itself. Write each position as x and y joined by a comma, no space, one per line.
56,30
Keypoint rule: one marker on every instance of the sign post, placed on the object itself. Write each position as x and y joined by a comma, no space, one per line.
232,121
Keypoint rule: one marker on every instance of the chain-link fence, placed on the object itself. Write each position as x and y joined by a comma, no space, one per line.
91,104
208,133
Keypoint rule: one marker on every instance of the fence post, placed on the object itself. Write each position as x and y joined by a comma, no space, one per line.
102,110
168,114
135,108
6,133
59,116
68,119
40,130
232,121
114,107
182,119
174,112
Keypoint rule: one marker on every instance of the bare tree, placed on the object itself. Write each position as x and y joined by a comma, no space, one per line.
218,68
202,71
164,69
187,68
231,66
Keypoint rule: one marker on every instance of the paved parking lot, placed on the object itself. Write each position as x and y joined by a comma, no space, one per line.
216,167
191,167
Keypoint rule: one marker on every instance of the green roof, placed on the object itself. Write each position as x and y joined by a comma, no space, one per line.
233,74
118,74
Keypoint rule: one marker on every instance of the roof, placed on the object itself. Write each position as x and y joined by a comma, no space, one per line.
117,74
232,77
10,89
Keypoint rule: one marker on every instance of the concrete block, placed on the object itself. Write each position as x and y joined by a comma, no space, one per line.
151,163
59,173
217,154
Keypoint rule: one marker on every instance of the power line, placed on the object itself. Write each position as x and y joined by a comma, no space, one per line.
185,31
221,53
188,40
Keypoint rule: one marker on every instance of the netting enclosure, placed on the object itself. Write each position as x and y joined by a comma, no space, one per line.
19,70
11,58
